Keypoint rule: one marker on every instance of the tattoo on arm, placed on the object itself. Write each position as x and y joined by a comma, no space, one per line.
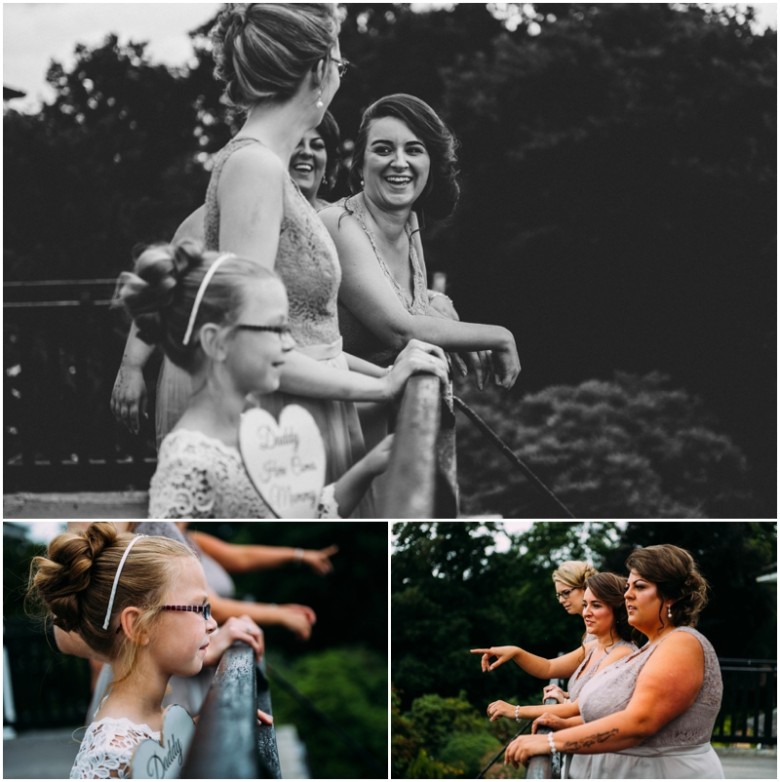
596,738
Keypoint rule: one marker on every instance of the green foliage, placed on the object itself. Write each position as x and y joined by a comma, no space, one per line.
344,719
633,447
440,693
439,738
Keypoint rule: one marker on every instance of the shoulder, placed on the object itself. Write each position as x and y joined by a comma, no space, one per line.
333,215
252,165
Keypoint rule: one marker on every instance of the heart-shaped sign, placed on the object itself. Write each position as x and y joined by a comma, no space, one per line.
285,461
164,759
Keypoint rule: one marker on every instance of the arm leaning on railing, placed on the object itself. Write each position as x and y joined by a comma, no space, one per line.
228,742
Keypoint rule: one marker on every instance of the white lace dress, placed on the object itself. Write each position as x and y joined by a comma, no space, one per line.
107,748
199,477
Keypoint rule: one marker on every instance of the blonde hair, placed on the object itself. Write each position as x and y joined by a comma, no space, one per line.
74,580
574,573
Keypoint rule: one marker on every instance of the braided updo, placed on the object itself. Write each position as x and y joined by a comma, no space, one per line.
263,51
159,294
676,576
73,582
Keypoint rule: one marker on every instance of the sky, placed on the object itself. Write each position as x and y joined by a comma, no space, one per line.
34,34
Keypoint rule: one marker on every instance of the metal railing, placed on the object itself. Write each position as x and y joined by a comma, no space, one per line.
228,742
748,714
62,348
421,475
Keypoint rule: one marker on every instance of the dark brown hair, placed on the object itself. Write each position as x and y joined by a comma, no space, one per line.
676,577
442,190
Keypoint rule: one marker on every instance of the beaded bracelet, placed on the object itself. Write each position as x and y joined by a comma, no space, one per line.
517,713
551,743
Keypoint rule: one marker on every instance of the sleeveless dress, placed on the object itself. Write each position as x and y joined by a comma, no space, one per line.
358,339
307,262
579,679
199,477
108,747
680,750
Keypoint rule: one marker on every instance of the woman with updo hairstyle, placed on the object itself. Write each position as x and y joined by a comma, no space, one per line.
224,320
139,602
282,65
570,579
651,715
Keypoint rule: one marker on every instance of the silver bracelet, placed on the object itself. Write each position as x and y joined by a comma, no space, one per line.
298,556
517,713
551,743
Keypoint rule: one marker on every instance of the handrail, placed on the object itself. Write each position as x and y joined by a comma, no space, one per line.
228,743
421,474
541,766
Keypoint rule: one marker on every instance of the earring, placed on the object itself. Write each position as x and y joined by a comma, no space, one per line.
319,103
362,183
669,611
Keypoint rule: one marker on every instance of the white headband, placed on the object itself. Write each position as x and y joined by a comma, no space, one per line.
199,296
116,579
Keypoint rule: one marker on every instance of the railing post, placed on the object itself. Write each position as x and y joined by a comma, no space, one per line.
541,766
420,476
228,743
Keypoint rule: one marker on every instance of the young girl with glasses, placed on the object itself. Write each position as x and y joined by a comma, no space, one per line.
140,603
223,320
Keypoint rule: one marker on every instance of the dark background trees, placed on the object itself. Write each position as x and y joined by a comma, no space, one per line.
618,207
461,585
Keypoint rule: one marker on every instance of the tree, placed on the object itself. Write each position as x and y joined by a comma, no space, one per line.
731,555
619,185
634,447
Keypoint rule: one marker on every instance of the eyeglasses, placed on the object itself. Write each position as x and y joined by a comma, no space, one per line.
564,593
342,65
204,609
282,331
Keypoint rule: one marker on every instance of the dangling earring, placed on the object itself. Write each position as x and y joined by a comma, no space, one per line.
669,611
319,103
362,183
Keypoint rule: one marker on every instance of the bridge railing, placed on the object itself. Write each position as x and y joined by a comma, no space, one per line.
62,347
228,742
421,476
748,713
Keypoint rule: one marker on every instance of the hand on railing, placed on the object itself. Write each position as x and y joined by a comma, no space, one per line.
263,718
523,748
554,692
236,628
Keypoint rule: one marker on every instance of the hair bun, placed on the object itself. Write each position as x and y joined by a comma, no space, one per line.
150,290
61,577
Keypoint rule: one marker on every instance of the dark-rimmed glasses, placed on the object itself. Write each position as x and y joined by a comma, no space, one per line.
204,609
564,593
342,65
282,331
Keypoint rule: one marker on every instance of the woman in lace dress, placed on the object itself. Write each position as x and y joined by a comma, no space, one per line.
403,167
313,168
141,603
223,320
282,64
650,715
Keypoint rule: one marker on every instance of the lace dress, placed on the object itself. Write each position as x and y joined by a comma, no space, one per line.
107,749
307,262
358,339
680,750
198,477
